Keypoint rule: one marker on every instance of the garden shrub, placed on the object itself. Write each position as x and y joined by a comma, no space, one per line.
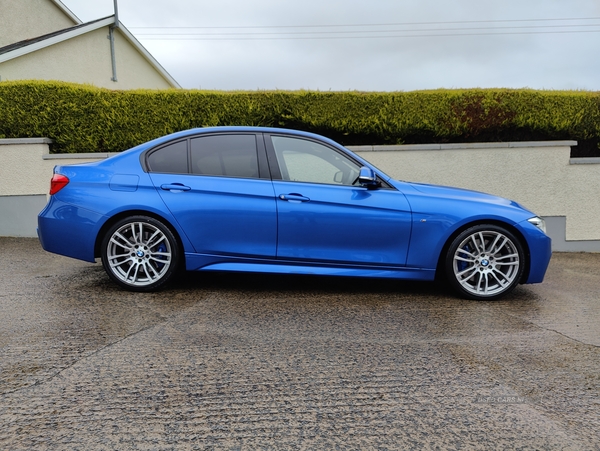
83,118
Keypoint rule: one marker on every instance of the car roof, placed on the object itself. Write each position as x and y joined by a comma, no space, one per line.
224,129
242,128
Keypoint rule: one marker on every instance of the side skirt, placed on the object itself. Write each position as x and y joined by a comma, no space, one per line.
197,262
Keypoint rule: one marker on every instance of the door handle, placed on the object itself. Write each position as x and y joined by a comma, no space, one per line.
175,187
294,197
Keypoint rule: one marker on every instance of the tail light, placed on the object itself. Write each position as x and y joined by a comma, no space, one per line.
57,183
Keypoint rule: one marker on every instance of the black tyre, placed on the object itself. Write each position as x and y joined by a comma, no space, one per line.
485,262
140,253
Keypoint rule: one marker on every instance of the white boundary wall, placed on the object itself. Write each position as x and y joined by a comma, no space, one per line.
539,175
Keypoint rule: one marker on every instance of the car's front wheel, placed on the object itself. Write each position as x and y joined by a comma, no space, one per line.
140,253
485,262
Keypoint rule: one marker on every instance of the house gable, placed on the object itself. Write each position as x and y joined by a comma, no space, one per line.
86,58
27,19
78,54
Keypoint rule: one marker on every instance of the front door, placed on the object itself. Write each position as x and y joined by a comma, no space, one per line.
324,216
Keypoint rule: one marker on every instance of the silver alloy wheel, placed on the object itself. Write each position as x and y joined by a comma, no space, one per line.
139,254
486,263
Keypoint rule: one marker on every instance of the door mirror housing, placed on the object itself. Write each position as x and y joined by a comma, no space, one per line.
368,178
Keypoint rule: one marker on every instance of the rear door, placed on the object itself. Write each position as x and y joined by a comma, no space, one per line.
218,188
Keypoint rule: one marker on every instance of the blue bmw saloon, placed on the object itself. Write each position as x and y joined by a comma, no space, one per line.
282,201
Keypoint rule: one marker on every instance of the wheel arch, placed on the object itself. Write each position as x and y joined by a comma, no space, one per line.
440,267
125,214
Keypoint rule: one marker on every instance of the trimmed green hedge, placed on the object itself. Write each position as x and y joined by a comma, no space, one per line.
81,118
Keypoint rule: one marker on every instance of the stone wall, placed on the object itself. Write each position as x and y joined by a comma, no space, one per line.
539,175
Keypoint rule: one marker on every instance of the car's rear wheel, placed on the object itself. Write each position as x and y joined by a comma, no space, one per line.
485,262
140,253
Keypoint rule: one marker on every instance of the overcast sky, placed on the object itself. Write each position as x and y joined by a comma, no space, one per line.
375,45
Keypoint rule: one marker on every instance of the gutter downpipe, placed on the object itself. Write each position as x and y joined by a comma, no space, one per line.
111,36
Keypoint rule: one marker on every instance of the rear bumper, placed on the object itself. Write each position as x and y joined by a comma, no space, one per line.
68,230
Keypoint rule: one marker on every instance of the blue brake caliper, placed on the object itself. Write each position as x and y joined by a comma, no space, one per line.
463,265
161,248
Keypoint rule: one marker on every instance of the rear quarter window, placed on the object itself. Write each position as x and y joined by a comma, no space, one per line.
170,159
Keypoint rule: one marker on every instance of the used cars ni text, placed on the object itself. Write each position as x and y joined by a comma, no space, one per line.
282,201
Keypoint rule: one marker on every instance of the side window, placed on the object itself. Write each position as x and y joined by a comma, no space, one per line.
171,159
225,155
301,160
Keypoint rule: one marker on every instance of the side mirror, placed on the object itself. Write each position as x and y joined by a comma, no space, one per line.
368,178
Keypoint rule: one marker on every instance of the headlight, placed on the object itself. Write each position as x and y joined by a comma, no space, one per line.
538,222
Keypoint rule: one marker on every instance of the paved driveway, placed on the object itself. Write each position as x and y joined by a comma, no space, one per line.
270,362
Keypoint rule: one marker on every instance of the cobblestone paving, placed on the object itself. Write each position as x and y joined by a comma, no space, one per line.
240,362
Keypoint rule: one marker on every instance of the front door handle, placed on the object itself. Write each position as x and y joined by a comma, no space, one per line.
175,187
294,197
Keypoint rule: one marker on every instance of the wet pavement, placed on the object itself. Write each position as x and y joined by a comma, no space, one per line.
244,362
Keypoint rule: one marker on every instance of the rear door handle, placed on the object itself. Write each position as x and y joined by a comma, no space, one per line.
175,187
294,197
